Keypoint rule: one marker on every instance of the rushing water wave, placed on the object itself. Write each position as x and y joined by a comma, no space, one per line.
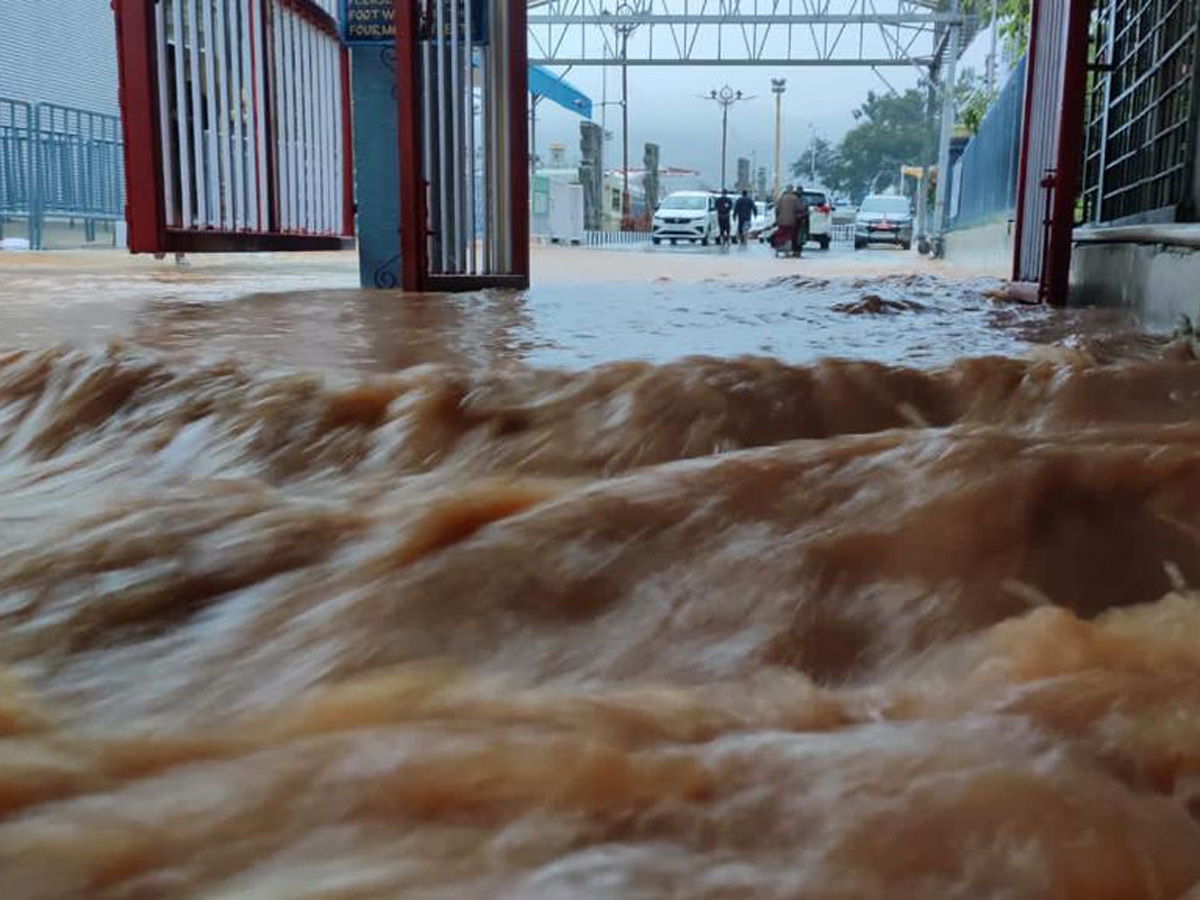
713,628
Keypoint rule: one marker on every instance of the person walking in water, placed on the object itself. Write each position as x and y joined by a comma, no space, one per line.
724,211
743,211
791,216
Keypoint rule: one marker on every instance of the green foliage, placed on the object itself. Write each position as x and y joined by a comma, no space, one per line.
1013,16
972,100
822,156
892,131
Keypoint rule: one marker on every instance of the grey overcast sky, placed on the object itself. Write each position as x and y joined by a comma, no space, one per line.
665,107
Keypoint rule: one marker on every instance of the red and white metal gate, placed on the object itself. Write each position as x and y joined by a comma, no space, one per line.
1051,146
236,116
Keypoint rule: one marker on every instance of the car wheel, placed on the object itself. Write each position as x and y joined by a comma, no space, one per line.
656,241
673,242
824,242
859,245
703,242
907,245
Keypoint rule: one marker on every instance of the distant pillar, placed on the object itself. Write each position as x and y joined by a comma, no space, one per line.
376,175
743,174
591,174
650,179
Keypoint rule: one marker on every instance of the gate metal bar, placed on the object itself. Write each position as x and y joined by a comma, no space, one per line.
461,85
236,125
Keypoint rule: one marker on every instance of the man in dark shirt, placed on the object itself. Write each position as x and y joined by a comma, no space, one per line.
743,211
724,210
791,215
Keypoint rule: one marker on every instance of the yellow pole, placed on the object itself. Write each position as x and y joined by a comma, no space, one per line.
778,120
778,86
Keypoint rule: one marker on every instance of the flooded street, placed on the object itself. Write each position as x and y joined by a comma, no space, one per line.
587,307
835,578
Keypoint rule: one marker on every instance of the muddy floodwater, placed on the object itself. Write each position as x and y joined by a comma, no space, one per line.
797,587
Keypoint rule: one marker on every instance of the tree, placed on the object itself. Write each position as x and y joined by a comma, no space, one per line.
823,157
892,131
1013,16
972,99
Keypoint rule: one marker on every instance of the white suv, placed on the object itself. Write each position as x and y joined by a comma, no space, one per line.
820,217
686,216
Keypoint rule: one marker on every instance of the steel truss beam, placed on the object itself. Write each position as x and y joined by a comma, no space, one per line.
740,32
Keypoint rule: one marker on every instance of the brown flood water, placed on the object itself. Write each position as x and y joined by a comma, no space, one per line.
398,626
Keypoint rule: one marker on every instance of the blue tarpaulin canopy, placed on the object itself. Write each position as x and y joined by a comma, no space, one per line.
544,83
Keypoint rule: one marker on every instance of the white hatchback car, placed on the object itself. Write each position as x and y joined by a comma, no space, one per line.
686,216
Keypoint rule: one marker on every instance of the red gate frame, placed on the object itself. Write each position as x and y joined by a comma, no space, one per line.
414,250
144,183
1054,285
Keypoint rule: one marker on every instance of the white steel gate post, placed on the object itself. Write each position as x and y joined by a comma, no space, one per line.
949,70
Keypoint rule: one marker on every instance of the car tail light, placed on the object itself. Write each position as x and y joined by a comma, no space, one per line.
823,209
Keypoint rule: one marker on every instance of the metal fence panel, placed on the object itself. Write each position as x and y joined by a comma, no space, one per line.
78,163
1140,155
16,157
58,162
615,238
985,186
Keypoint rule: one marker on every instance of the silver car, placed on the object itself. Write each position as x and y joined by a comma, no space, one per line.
884,219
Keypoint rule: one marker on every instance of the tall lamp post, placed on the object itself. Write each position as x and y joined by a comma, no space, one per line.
725,97
623,29
778,86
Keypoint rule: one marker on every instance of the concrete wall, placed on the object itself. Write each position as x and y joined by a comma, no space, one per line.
1152,270
986,249
59,51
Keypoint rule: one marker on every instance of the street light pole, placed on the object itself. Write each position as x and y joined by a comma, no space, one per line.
626,207
942,194
991,60
778,86
624,30
724,142
726,97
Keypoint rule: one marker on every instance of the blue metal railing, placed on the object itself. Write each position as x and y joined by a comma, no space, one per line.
16,157
985,189
58,162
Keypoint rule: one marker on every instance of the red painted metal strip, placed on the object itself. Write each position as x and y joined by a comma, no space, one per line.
181,241
414,266
1026,134
347,147
518,83
1056,267
458,283
139,123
